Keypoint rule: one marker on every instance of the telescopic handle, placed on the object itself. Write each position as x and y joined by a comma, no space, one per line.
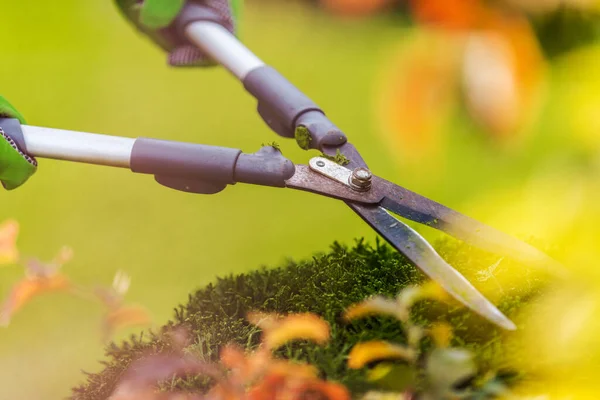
184,166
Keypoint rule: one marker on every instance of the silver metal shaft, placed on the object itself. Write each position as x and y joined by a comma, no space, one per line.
83,147
223,47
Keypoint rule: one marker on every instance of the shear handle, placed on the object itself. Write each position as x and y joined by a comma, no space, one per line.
170,160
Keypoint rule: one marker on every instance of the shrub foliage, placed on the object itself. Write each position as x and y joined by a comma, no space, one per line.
324,285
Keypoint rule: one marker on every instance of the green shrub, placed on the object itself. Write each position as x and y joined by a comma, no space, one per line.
325,285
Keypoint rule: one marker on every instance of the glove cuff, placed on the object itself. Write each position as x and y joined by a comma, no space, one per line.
16,167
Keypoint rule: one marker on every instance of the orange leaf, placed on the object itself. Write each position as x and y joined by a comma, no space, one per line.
504,59
278,331
334,391
233,356
449,14
295,327
125,317
322,390
9,231
28,288
264,321
367,352
245,368
288,386
292,370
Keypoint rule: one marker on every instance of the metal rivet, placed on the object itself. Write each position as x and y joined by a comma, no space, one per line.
320,163
360,180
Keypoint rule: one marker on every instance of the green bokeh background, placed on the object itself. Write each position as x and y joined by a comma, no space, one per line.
77,65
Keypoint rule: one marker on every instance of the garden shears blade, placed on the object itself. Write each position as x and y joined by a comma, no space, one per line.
373,198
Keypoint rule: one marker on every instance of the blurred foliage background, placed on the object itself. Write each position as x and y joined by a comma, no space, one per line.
492,108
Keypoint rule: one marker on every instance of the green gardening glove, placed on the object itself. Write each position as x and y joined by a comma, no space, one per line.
15,166
153,17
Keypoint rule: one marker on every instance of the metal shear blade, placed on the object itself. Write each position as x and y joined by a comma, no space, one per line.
420,209
327,178
408,242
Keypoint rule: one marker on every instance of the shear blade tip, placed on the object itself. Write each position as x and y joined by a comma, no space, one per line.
505,323
509,325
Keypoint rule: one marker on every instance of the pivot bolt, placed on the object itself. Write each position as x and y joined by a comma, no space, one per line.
360,179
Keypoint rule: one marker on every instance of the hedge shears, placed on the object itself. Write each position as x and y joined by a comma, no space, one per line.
340,172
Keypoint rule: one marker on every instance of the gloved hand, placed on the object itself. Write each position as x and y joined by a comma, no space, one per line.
153,17
15,166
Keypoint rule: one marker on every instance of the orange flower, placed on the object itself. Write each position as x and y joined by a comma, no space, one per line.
9,231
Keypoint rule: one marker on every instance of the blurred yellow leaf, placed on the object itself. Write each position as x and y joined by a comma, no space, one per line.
9,231
414,335
376,305
367,352
399,308
430,290
578,82
441,334
279,330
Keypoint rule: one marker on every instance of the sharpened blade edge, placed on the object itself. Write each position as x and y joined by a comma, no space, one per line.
408,242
